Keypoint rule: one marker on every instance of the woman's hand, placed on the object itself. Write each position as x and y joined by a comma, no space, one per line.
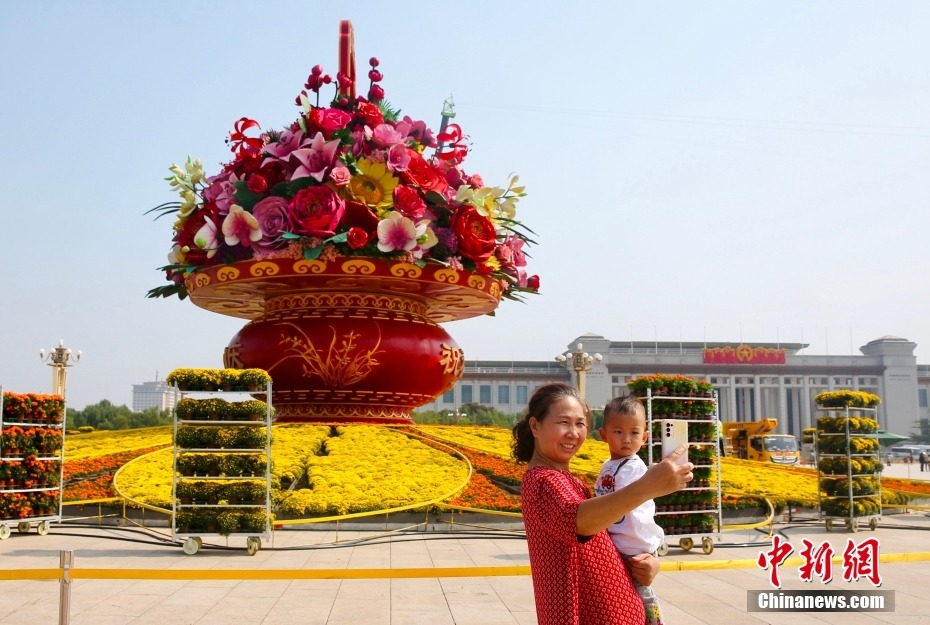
644,567
660,479
669,475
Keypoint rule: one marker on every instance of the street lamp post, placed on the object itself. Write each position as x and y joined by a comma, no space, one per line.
580,362
59,359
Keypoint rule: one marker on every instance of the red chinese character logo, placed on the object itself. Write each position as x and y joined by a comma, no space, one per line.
780,550
861,561
819,561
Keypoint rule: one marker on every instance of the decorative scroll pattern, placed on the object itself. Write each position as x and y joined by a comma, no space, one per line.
322,302
243,289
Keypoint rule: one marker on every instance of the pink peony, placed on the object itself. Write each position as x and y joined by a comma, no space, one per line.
315,211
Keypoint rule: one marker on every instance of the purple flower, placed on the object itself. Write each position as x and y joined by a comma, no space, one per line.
271,214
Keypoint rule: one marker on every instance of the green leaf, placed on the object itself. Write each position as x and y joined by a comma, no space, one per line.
312,253
301,183
245,197
342,237
280,190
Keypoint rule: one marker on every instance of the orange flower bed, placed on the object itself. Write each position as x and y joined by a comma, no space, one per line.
92,478
906,486
94,488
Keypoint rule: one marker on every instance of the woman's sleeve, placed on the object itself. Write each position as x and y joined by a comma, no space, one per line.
556,504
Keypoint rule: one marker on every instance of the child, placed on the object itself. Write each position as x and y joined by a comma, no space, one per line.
625,433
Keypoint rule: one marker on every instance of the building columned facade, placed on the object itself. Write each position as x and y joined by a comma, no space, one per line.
155,394
765,380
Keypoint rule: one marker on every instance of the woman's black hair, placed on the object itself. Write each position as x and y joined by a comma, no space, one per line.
541,401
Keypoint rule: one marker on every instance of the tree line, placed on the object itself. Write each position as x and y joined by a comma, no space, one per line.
105,416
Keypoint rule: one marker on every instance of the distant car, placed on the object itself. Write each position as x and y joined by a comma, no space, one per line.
903,453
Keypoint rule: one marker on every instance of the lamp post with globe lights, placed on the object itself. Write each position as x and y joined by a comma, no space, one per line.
59,359
580,362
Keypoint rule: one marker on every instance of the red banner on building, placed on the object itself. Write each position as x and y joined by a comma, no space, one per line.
743,355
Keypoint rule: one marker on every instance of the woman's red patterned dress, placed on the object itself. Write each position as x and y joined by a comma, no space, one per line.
577,580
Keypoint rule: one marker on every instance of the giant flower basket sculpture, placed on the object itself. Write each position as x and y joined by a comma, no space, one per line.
345,239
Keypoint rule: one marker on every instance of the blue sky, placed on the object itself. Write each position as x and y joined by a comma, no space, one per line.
718,170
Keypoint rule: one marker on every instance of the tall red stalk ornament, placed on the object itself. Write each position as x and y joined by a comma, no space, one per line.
346,74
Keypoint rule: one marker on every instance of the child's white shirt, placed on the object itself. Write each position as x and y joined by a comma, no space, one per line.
636,532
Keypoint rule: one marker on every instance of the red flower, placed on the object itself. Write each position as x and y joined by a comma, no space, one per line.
533,282
357,238
476,234
421,174
329,119
257,183
316,211
408,202
370,114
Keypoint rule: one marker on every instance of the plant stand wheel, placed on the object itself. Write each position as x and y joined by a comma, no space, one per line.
43,527
23,527
707,545
686,543
663,549
873,524
852,525
829,525
191,545
253,544
5,532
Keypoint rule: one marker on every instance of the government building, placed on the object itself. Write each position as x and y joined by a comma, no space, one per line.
761,380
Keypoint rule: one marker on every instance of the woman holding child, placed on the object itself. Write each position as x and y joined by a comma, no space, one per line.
578,576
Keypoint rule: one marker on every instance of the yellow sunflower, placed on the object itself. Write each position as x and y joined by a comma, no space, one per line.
373,187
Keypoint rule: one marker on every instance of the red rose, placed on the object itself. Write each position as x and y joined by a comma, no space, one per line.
315,211
476,234
420,174
408,202
370,114
357,238
533,282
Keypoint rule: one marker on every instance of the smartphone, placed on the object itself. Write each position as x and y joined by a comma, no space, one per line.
674,435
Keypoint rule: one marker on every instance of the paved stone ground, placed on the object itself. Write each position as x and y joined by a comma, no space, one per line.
708,588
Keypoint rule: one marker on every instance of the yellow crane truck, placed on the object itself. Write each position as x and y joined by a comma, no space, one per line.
756,440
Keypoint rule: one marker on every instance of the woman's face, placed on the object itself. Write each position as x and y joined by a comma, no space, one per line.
560,434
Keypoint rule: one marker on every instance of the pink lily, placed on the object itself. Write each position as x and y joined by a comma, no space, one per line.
315,159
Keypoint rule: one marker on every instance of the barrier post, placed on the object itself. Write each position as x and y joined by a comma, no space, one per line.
66,561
